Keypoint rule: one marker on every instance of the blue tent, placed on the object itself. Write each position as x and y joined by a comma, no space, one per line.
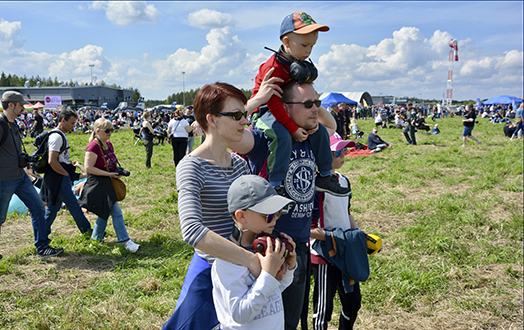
502,99
334,98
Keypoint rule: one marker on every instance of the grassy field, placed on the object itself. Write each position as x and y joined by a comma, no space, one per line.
451,220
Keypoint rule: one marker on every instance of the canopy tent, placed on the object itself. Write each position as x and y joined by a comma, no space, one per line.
334,98
502,99
38,105
29,105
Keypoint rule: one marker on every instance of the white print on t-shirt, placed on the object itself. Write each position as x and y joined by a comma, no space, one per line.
272,306
300,178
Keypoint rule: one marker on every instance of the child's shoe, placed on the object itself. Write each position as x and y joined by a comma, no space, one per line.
132,246
330,185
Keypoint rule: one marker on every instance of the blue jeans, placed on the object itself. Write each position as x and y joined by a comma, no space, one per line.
66,195
190,143
118,223
25,190
519,127
293,296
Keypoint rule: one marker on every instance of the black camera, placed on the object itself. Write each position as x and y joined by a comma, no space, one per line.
121,171
25,159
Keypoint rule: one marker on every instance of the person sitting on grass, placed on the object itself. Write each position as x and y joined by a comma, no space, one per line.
375,143
435,130
243,301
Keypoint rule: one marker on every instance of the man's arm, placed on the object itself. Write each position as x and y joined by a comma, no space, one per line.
326,119
55,164
245,145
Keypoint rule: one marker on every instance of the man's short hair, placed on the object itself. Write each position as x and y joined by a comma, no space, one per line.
66,114
409,104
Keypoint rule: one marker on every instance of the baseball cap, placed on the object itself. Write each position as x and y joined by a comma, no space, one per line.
12,96
338,143
300,23
255,193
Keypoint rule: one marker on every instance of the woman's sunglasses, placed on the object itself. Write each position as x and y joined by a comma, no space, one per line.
107,130
340,152
307,104
237,115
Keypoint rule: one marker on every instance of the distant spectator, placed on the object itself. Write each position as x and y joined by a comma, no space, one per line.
469,123
375,143
518,120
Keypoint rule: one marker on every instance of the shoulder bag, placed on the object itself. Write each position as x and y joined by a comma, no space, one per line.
118,185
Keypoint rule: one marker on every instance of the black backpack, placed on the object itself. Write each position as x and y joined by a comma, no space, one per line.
42,150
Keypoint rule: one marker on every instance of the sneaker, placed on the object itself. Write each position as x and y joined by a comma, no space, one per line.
132,246
280,190
479,142
50,252
330,185
462,146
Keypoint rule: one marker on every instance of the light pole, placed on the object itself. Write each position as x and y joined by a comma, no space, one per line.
91,65
183,88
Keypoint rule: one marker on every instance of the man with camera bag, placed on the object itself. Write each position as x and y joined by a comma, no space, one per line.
59,177
13,179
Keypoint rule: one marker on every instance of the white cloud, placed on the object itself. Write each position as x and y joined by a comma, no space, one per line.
8,35
127,12
210,19
409,64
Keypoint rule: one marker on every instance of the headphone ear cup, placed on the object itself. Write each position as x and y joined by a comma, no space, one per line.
313,72
298,72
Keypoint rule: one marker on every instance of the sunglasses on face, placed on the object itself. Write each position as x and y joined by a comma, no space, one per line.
270,217
307,104
341,152
107,130
237,115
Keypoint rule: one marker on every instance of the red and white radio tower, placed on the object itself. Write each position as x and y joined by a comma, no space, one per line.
453,56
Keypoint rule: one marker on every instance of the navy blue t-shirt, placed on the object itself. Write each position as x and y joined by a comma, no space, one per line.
299,185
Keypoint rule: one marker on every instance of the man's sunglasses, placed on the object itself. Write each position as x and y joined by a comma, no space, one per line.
340,152
307,104
237,115
107,130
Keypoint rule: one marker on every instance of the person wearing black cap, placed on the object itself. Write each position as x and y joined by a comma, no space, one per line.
242,301
14,180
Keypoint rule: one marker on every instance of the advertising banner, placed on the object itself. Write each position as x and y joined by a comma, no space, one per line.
52,101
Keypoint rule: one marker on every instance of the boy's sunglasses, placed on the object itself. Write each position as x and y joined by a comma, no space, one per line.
270,217
307,104
108,130
237,115
340,152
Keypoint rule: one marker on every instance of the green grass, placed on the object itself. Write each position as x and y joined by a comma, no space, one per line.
450,218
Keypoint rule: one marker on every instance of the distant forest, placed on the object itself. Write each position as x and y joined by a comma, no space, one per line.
12,80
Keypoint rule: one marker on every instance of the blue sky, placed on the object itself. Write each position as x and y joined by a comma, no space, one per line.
392,48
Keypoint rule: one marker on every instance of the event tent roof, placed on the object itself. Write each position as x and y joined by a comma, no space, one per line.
502,99
334,98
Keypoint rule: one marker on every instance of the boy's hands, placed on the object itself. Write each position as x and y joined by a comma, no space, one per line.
300,134
291,258
274,258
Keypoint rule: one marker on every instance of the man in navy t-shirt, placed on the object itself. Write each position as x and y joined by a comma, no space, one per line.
299,185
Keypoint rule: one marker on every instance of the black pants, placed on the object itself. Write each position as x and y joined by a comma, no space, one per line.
179,148
149,152
328,280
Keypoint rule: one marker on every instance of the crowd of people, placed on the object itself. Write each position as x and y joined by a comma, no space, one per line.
251,202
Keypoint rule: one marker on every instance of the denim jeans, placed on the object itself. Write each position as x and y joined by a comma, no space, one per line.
118,223
25,190
293,296
66,195
190,143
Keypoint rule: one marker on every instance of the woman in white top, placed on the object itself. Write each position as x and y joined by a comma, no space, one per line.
177,130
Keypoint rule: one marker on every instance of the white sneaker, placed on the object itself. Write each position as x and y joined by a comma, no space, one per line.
462,146
132,246
479,142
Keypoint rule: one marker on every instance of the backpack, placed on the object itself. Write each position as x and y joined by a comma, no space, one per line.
42,150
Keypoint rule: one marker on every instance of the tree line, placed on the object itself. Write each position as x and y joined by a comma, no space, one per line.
190,97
